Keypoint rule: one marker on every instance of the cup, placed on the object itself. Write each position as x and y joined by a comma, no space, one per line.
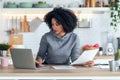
112,66
4,61
3,53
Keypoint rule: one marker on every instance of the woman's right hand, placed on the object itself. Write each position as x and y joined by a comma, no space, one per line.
90,63
38,62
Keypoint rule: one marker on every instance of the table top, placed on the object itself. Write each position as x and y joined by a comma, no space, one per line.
50,71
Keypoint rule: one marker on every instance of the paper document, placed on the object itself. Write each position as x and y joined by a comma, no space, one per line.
86,56
63,67
102,66
102,61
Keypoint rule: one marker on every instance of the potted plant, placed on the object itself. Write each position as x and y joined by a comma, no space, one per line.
3,49
115,13
115,23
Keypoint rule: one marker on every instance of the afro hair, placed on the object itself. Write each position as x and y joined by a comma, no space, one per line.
65,17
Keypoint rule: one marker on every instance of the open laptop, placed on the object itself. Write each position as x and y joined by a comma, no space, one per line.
23,58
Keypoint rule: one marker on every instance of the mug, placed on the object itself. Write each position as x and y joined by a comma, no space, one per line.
3,61
112,65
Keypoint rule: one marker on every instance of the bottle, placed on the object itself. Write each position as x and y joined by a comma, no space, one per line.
100,51
117,55
26,25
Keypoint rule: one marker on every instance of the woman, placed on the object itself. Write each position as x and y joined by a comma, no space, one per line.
60,45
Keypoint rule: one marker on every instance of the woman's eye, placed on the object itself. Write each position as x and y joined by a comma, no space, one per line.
57,24
52,24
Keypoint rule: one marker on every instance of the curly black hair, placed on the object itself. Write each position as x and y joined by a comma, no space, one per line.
65,17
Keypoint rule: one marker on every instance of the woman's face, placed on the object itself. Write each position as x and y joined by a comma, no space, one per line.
57,27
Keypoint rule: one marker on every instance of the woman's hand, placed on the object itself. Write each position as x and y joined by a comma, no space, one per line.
38,62
90,63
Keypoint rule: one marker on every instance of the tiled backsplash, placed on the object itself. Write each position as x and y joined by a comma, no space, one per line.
96,34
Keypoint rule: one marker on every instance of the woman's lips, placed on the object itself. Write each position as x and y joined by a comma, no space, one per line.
55,30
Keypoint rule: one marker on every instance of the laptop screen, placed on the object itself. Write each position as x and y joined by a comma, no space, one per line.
22,58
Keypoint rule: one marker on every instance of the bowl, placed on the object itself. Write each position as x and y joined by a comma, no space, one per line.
11,5
41,5
41,2
25,5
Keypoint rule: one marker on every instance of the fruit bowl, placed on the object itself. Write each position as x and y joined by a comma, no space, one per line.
90,47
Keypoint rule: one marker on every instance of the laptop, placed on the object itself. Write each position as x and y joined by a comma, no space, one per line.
22,58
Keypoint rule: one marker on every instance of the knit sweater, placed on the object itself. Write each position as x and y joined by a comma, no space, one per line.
56,50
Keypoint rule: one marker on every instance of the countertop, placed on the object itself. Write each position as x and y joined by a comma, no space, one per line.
81,71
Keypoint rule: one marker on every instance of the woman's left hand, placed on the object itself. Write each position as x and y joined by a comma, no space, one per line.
90,63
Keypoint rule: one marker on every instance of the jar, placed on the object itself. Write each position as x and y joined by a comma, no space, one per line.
87,3
93,3
110,1
3,61
101,3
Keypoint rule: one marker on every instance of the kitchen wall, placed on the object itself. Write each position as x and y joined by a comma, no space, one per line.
96,34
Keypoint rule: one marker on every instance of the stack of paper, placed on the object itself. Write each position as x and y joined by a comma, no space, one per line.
102,61
63,67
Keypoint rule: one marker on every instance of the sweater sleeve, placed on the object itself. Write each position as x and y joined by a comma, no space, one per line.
75,53
43,48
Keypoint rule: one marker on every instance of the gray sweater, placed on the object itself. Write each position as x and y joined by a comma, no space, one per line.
56,50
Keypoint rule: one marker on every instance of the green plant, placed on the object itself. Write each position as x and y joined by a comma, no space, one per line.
4,46
115,13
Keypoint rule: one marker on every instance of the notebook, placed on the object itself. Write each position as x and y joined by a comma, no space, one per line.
23,58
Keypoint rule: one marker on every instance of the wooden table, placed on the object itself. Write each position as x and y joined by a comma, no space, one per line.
49,71
104,57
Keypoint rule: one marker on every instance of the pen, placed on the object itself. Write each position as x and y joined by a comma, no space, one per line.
99,64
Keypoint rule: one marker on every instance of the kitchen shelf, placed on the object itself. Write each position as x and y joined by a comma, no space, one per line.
42,10
96,9
25,10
